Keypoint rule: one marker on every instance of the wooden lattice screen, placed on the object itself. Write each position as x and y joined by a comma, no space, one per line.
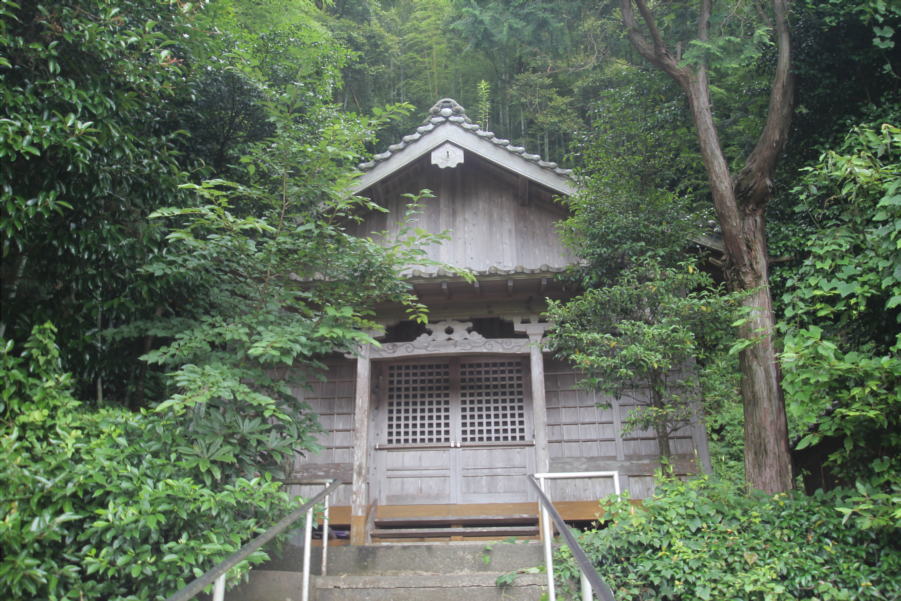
492,407
468,401
419,403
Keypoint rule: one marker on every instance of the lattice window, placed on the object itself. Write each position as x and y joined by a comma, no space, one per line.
419,409
492,405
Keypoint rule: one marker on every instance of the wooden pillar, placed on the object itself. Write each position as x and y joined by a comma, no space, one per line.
699,437
535,331
539,404
362,407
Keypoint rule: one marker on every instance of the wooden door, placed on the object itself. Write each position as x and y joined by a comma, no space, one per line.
453,431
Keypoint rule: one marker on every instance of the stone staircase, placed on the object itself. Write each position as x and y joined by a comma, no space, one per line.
405,572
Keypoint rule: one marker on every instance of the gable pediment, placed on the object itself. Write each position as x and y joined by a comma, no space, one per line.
495,201
449,125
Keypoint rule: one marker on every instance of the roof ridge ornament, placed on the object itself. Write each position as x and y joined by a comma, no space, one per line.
447,107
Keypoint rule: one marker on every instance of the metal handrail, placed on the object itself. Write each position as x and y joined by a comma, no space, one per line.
216,574
588,572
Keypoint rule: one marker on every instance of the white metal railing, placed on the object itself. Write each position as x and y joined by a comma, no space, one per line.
216,575
547,531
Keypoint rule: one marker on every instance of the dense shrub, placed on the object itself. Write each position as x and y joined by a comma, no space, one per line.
707,539
107,504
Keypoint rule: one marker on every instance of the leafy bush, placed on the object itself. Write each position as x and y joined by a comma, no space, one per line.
843,305
707,539
108,504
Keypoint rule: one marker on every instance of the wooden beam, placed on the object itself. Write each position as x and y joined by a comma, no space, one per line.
400,350
360,493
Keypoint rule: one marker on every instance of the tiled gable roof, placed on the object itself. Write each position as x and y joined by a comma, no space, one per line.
448,112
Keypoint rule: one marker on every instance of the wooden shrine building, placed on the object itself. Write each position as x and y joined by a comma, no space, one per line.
436,428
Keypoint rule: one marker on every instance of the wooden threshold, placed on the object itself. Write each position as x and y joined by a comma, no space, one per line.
464,511
468,532
474,520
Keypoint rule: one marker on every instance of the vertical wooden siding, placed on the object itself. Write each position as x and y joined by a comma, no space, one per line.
333,401
585,434
488,225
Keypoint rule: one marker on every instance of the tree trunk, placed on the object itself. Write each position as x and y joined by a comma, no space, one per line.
740,205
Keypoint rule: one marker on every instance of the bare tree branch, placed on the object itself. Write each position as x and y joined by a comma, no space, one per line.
753,185
656,51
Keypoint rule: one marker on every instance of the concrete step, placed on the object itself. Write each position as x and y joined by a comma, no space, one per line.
413,586
441,558
403,572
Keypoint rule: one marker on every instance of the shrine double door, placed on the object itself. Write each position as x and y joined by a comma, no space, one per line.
452,431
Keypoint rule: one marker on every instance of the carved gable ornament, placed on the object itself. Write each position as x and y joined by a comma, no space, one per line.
447,155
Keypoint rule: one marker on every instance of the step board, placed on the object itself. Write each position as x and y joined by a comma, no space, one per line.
447,557
439,532
414,586
467,520
457,527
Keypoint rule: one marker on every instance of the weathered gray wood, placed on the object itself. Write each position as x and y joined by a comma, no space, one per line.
400,350
317,472
585,433
360,494
539,406
464,531
332,400
488,225
495,474
536,331
472,459
630,467
517,518
699,437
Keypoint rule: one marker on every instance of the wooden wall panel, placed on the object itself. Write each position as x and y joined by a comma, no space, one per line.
333,401
422,476
488,225
496,474
583,436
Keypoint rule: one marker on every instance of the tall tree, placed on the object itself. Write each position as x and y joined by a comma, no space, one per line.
740,201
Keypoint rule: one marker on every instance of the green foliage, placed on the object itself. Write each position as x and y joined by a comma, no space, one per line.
644,331
707,539
841,365
88,90
107,504
483,106
276,282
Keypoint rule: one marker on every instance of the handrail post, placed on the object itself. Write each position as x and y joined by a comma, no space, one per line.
307,544
595,584
547,534
219,589
219,570
325,537
586,586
